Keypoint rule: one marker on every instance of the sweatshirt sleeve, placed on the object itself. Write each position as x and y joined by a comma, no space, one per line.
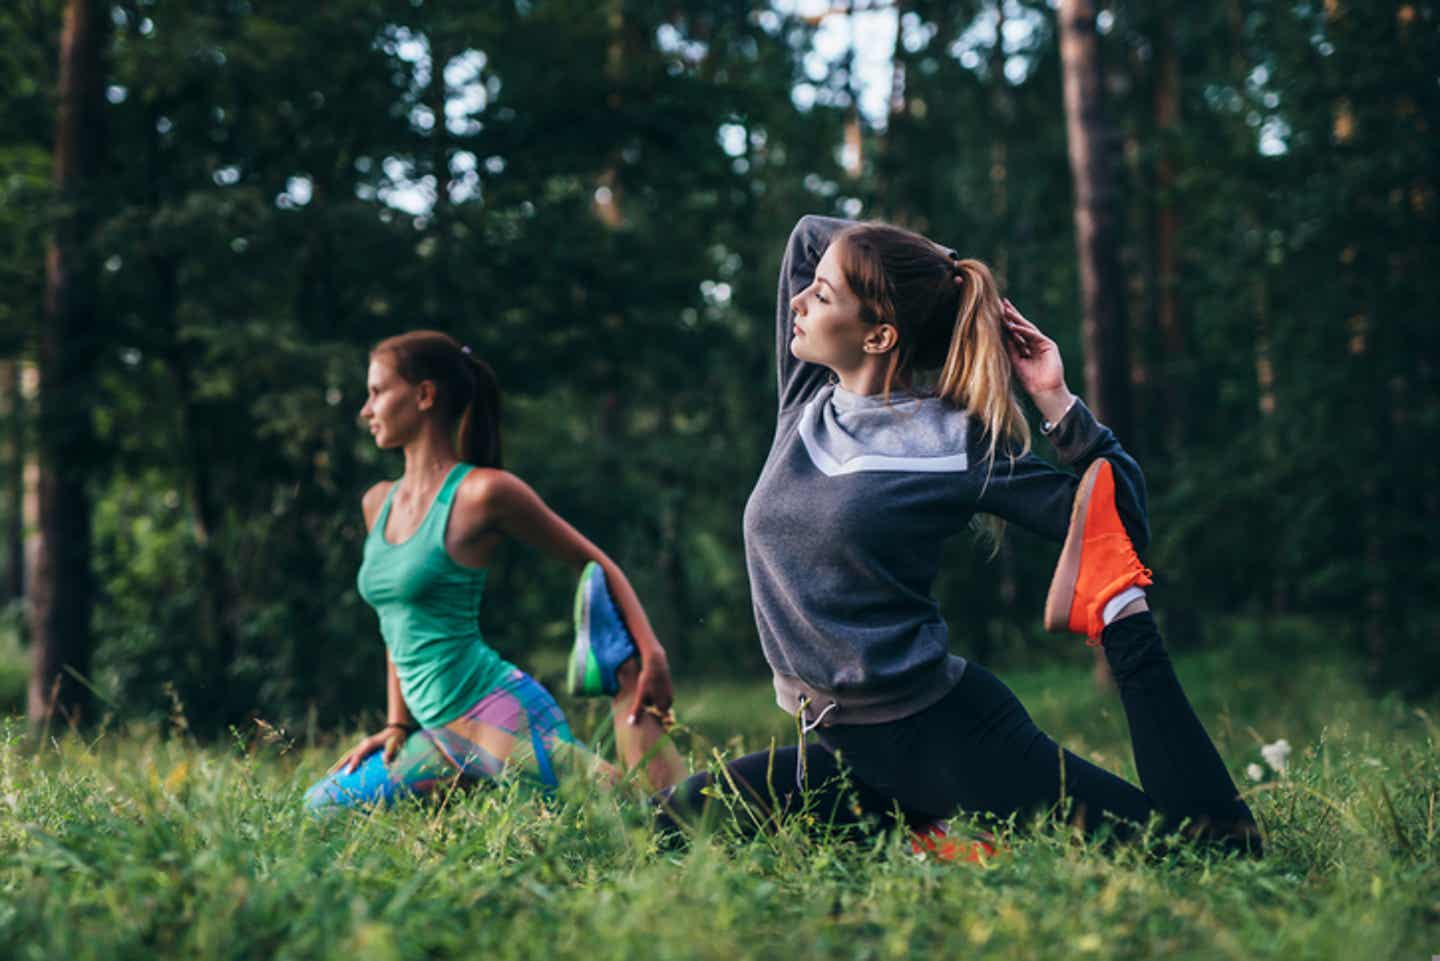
1038,497
799,380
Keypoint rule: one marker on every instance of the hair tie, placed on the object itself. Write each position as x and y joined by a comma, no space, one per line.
955,267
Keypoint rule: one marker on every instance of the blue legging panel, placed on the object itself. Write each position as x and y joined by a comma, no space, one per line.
438,758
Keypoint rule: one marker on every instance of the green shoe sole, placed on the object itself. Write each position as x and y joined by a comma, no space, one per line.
582,675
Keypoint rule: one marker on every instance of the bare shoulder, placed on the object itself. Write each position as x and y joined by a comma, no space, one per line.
374,497
488,493
486,485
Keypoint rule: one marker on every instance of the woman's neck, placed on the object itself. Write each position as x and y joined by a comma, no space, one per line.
866,379
428,458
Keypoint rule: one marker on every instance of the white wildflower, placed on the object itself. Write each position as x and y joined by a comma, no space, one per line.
1254,772
1277,755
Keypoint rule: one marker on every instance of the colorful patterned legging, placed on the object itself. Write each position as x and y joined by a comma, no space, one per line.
542,748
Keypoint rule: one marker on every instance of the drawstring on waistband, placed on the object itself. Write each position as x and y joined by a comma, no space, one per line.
805,727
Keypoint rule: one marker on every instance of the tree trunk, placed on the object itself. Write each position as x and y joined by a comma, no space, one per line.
627,41
853,154
999,154
1107,383
1102,290
218,633
62,593
442,299
1167,226
12,467
890,152
671,559
29,496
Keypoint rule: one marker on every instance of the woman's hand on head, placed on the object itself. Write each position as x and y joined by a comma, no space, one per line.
1036,361
390,740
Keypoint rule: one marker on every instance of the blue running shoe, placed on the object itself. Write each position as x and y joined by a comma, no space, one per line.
602,642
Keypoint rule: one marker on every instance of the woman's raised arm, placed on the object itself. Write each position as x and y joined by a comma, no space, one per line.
798,380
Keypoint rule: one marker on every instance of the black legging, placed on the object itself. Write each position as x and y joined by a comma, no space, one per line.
978,751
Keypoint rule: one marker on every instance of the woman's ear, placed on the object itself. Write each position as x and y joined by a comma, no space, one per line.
425,394
880,339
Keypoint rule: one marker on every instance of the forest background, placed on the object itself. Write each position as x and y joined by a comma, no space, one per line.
243,196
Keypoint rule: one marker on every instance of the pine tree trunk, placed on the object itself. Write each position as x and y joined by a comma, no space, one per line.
852,154
442,297
671,559
1102,290
620,52
62,593
889,148
999,152
217,628
12,467
1107,383
1167,228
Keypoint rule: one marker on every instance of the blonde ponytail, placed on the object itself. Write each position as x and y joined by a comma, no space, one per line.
977,376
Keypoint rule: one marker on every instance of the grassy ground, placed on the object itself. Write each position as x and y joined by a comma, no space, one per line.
139,844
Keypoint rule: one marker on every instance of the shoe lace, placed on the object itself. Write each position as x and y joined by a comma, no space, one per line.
805,727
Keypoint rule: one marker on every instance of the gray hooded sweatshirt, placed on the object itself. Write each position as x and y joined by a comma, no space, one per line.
845,527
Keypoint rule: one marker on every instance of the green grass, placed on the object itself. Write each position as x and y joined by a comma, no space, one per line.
142,844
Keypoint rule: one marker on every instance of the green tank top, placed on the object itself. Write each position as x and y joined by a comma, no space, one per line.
428,606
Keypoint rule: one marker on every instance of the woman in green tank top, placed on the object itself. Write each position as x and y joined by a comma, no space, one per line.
456,710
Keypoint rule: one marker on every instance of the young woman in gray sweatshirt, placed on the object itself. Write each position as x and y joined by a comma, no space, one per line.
868,474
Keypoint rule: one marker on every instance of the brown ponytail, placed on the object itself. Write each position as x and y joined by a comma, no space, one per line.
467,392
479,430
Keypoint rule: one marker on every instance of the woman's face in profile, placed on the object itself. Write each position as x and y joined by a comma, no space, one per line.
392,408
827,328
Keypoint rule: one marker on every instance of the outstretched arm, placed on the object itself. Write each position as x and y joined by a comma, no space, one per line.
499,499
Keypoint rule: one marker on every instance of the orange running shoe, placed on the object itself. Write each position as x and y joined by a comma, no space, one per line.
935,840
1097,562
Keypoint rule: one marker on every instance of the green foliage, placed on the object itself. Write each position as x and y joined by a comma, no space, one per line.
143,843
14,666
